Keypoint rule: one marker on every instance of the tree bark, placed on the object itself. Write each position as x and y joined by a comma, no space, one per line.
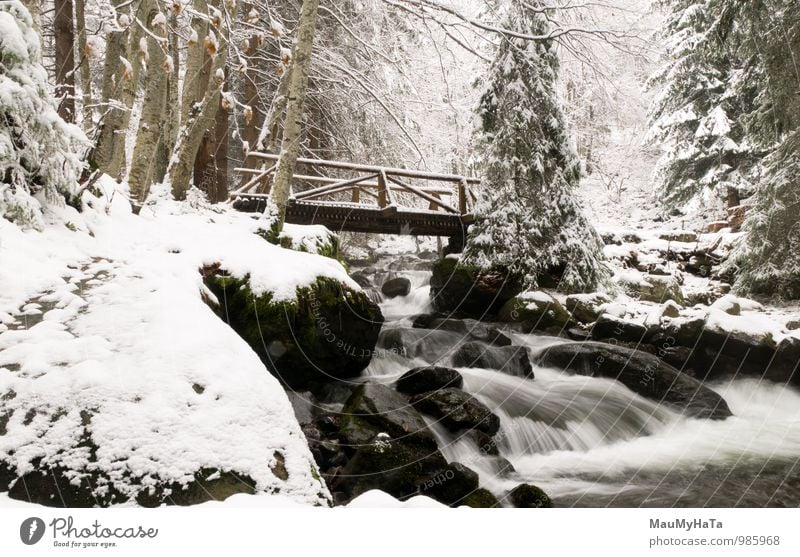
296,95
118,88
252,126
197,63
153,111
169,132
200,117
84,61
211,162
64,30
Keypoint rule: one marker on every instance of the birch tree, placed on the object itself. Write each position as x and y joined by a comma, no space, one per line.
296,95
159,64
201,114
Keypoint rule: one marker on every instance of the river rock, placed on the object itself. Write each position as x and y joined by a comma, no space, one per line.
686,236
427,344
396,467
536,311
450,485
644,374
373,409
729,304
477,330
652,288
463,289
398,286
329,332
621,330
424,379
527,496
361,279
586,308
457,410
481,499
509,359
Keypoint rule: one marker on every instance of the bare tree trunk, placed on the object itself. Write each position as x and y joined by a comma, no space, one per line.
84,62
197,60
153,111
222,132
120,80
296,96
65,58
201,115
169,132
211,162
256,116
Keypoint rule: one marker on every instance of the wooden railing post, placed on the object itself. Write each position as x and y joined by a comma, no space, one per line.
356,198
462,197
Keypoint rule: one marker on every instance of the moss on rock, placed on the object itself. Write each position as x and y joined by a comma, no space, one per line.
328,332
464,289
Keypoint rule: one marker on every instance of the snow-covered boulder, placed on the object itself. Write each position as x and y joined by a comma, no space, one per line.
327,332
651,288
586,308
536,310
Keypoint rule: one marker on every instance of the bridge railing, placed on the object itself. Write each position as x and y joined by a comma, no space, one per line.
383,187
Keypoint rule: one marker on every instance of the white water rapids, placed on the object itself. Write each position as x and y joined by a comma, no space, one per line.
592,442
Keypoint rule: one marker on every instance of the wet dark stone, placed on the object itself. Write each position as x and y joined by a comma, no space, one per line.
457,410
374,409
512,360
527,496
399,286
643,373
424,379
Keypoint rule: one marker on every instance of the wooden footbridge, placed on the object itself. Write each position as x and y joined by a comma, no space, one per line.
377,199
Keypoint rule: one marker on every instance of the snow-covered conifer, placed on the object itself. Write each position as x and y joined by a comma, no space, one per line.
528,222
38,163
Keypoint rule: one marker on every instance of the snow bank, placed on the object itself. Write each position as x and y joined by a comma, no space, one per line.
104,329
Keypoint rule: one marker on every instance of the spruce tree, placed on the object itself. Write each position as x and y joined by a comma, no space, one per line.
38,162
767,35
695,116
528,224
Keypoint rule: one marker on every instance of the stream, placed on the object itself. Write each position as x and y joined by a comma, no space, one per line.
591,442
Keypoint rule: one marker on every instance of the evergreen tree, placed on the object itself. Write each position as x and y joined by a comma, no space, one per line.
37,157
766,34
528,223
697,117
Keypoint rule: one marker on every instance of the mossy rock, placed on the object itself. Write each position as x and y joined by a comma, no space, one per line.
450,485
396,467
374,409
586,308
327,333
481,499
326,247
464,289
653,288
55,486
527,496
536,311
209,485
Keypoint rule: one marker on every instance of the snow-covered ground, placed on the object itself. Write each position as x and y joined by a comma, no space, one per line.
103,327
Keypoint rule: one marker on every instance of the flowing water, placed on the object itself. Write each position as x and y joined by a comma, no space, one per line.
592,442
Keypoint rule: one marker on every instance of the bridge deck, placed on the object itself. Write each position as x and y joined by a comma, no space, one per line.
353,217
379,199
